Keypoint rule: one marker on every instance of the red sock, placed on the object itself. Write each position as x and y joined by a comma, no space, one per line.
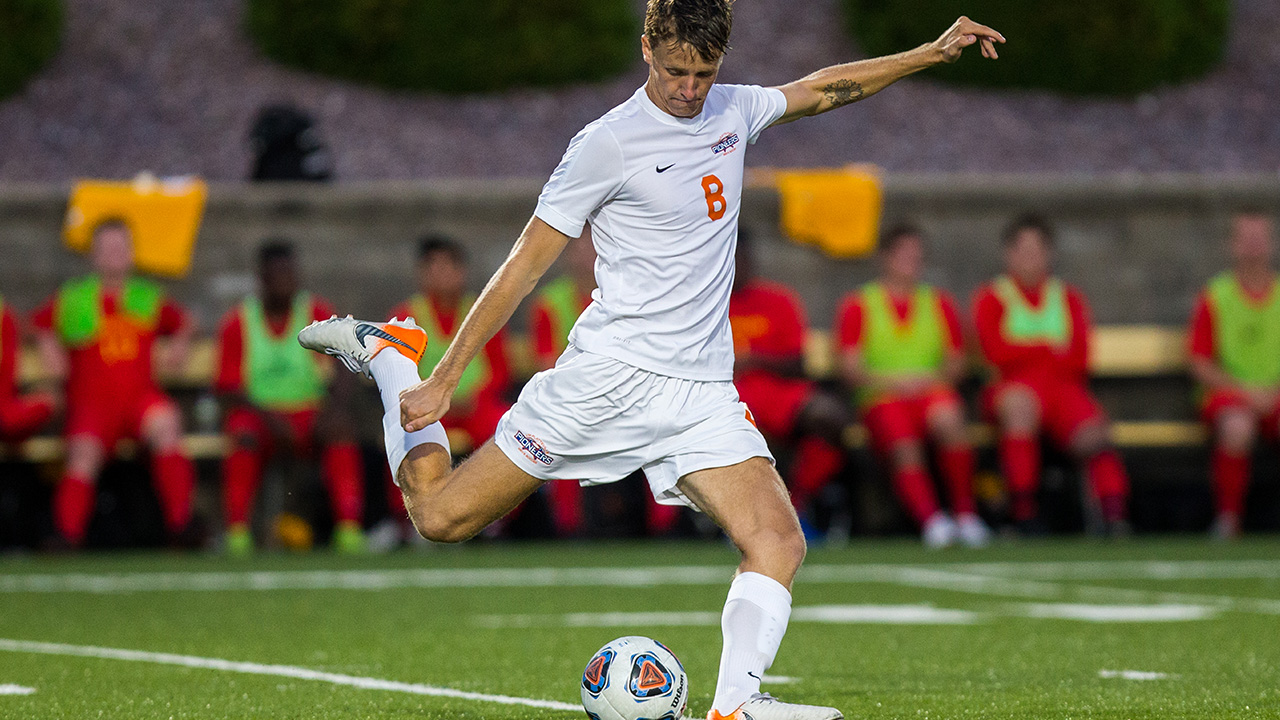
816,463
957,470
1230,480
242,471
1110,484
566,507
174,476
915,490
345,480
1020,458
73,508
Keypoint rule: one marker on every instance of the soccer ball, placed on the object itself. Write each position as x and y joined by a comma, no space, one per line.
634,678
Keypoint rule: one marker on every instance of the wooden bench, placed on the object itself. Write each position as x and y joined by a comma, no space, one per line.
1118,351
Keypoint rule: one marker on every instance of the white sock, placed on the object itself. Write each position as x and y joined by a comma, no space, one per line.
395,373
754,621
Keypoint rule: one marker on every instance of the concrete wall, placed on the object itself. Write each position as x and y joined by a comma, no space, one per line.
1139,246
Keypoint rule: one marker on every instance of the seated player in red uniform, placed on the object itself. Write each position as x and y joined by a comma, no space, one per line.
20,415
769,328
274,393
1235,356
1034,332
98,332
439,306
902,349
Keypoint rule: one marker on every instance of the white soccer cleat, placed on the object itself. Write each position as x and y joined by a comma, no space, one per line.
939,531
763,706
973,533
356,342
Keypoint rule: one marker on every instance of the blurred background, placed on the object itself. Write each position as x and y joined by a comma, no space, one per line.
262,162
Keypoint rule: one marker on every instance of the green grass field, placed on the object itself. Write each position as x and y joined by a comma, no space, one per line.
1058,629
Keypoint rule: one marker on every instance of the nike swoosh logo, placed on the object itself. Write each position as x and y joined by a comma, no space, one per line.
753,675
364,330
664,169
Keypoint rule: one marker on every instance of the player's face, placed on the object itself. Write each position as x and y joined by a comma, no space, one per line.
1252,239
679,78
279,281
441,275
1027,257
113,251
905,262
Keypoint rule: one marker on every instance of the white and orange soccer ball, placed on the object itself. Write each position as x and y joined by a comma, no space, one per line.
634,678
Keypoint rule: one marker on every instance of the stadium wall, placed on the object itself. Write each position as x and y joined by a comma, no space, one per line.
1140,246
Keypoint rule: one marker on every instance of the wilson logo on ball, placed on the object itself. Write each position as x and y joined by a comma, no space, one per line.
596,677
648,677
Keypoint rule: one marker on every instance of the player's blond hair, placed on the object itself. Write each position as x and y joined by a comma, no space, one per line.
704,25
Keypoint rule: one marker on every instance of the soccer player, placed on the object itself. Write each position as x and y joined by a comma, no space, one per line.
647,379
769,327
902,349
275,392
559,303
1235,356
1034,331
20,415
439,306
97,332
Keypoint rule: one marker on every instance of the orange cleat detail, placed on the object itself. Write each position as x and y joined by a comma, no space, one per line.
410,342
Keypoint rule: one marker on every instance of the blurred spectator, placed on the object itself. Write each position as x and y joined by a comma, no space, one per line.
20,415
769,330
1235,356
1034,331
901,348
439,306
275,394
287,146
558,304
97,332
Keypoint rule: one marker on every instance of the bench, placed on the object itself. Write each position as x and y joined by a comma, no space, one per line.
1118,351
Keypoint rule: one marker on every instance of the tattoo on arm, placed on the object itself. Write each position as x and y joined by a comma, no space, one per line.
842,92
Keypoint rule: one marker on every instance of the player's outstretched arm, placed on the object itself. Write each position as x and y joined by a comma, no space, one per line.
839,85
538,246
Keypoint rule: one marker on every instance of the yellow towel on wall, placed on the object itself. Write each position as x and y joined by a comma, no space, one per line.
164,216
837,210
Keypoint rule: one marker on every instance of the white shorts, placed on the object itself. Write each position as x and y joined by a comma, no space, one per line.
597,420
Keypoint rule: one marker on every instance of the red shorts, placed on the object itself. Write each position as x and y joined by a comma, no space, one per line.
21,416
895,419
111,420
1065,406
1217,401
257,424
479,421
775,402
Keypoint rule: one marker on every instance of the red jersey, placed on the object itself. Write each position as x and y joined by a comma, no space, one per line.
117,364
229,377
495,350
1018,361
768,320
1201,342
8,354
851,319
546,346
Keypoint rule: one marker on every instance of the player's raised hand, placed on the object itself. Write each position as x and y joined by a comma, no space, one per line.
424,403
964,33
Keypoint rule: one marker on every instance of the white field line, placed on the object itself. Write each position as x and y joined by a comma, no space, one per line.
825,614
16,690
1014,578
1134,675
289,671
1120,613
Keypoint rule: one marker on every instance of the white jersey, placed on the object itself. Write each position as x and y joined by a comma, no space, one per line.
663,195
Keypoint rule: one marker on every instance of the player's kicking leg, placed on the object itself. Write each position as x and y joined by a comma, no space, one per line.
749,502
444,503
